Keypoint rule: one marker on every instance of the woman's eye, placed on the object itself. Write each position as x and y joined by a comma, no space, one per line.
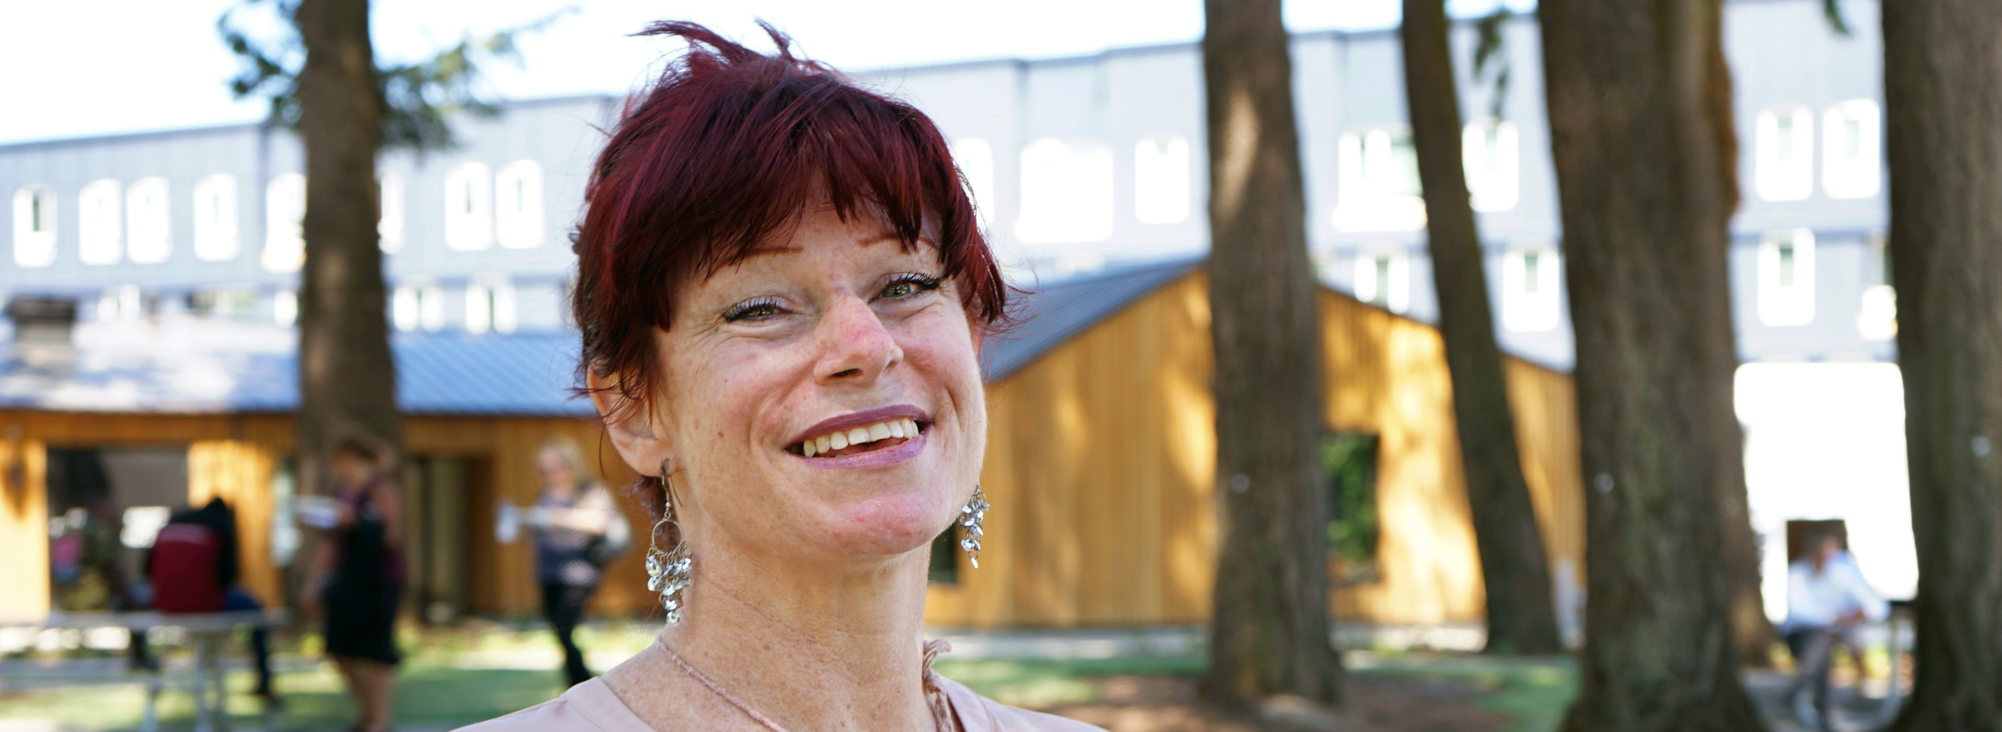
909,285
752,310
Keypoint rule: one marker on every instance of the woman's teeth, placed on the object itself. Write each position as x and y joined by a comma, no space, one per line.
843,439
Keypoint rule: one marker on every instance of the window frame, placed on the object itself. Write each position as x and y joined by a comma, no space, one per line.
1783,304
469,207
519,219
1067,192
1790,179
1862,175
100,223
1396,287
35,247
216,224
149,221
284,228
1525,311
1163,179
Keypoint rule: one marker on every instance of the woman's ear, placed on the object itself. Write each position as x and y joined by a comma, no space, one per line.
631,426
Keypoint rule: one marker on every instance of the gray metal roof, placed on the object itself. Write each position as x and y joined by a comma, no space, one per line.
187,365
1051,314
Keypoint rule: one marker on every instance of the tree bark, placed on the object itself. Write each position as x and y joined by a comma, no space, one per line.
347,378
1646,204
1520,609
1751,630
1269,635
1943,136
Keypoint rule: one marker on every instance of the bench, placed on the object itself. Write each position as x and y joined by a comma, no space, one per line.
206,633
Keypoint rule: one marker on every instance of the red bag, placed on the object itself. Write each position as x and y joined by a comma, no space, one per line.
184,570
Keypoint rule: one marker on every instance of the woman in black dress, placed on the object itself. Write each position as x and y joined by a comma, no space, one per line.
357,580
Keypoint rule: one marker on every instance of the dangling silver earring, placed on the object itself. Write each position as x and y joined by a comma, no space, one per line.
667,572
970,516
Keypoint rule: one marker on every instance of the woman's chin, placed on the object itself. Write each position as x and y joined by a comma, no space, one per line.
886,526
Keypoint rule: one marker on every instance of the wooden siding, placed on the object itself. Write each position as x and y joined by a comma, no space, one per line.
1102,454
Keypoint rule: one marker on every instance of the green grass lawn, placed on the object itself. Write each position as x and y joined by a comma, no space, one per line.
434,691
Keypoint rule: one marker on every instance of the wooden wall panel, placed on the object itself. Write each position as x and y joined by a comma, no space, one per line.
240,472
24,528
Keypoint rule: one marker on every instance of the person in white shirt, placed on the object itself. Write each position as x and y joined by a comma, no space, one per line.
1827,599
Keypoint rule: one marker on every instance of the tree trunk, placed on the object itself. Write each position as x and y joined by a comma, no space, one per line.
347,379
1943,136
1270,631
1520,610
1646,203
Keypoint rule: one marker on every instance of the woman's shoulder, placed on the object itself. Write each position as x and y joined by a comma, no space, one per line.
980,714
587,707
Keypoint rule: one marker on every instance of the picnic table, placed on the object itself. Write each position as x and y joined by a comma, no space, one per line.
207,634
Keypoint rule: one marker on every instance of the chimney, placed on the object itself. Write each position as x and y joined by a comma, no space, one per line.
42,328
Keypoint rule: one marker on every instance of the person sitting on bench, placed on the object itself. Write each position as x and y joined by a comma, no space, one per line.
193,568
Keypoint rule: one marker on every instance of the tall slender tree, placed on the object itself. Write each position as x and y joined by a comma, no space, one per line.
1269,634
347,378
1943,136
1640,133
1520,609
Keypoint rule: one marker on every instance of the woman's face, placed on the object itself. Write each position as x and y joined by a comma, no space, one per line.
554,469
823,397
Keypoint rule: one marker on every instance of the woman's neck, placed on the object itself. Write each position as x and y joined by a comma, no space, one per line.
811,647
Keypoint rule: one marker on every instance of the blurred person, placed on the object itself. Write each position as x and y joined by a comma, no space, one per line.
356,579
193,569
782,292
571,520
1827,599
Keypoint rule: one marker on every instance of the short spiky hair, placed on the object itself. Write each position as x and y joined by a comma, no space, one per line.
724,150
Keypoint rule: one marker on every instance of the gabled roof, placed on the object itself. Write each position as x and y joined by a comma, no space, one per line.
1051,314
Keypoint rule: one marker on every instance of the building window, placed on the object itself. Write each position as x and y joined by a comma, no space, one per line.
285,308
403,308
1384,280
1529,289
223,303
1877,318
1161,179
469,220
490,305
1851,151
389,213
34,227
215,218
98,223
1785,157
975,158
148,226
285,223
417,306
1489,154
1066,192
1786,278
518,195
1378,179
1350,461
121,303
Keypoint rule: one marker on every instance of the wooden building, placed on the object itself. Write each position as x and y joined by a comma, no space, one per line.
1101,457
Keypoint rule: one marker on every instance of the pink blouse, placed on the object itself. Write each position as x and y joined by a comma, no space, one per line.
592,707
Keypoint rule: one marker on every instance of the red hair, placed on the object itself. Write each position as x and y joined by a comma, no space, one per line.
724,150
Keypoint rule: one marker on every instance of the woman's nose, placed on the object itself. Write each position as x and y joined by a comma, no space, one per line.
856,347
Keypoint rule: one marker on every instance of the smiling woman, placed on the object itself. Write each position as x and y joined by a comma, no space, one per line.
782,292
